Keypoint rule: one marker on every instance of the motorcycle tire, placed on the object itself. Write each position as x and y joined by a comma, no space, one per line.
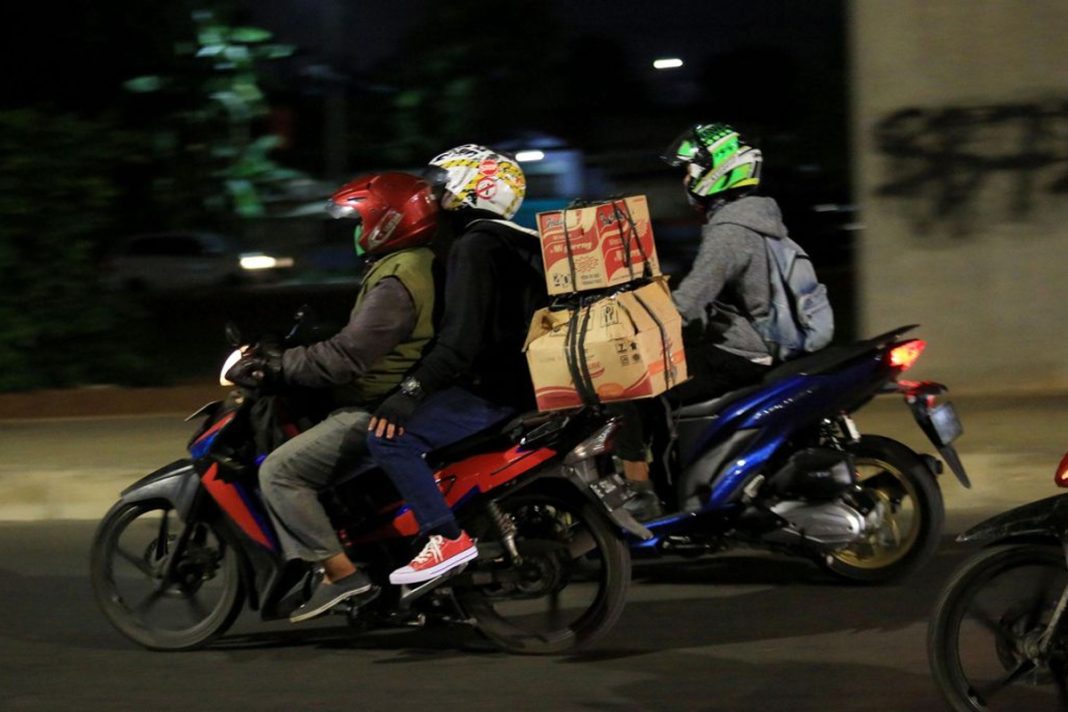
900,477
962,657
129,555
575,565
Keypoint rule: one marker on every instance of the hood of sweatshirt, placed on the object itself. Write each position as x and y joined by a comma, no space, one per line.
757,213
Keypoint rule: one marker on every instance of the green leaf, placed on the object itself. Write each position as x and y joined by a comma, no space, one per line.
233,104
250,34
246,201
274,51
237,53
265,144
224,151
211,50
248,91
212,35
144,85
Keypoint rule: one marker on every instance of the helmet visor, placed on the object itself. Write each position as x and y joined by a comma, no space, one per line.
684,149
340,210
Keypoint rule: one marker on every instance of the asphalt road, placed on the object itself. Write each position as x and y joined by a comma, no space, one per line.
740,633
729,634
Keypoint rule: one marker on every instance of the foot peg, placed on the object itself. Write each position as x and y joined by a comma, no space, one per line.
409,593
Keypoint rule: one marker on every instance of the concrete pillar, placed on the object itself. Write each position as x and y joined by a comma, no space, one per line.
960,136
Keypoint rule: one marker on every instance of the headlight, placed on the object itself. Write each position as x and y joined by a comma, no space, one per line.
597,444
227,365
254,262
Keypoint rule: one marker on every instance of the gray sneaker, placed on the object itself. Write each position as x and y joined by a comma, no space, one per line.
644,506
327,595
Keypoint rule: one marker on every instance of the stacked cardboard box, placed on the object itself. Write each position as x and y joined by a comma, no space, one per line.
624,339
599,246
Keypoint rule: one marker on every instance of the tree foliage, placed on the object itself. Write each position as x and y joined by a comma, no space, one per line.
57,196
183,147
207,144
469,75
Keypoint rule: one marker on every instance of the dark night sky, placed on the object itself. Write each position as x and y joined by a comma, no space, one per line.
82,58
691,29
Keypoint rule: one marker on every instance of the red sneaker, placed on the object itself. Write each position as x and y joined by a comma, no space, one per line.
437,557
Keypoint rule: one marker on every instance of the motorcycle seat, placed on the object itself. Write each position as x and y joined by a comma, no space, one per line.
819,362
711,407
500,436
833,356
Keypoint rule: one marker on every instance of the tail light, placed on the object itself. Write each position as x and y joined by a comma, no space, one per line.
597,444
1061,476
905,354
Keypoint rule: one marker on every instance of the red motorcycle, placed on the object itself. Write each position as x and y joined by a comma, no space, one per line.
187,547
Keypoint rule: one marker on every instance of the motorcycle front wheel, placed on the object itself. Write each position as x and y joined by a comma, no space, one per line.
130,556
909,514
983,640
570,584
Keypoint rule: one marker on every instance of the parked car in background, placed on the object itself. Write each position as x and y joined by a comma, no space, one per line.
167,261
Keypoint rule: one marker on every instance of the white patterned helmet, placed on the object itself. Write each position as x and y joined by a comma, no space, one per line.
473,176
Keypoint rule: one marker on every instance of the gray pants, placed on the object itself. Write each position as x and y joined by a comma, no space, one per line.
292,476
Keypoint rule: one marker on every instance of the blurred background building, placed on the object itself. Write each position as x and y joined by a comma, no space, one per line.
944,121
960,155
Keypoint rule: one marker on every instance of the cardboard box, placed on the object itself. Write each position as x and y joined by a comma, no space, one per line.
615,346
610,243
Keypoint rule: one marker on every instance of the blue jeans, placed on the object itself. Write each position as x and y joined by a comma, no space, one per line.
442,419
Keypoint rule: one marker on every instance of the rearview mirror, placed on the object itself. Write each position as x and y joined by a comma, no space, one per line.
233,334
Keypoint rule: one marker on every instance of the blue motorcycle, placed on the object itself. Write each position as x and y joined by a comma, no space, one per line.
781,465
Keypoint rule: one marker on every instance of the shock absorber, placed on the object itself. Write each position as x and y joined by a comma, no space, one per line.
507,530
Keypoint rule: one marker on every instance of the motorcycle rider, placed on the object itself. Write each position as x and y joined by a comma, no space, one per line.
475,375
388,329
728,283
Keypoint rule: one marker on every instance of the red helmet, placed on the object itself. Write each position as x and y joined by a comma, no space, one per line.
395,211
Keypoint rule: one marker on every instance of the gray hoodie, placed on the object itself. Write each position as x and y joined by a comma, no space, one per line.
728,283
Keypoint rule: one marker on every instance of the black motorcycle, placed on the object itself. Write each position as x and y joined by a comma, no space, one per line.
997,639
188,547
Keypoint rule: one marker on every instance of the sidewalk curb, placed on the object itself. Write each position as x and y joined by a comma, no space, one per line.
94,401
100,401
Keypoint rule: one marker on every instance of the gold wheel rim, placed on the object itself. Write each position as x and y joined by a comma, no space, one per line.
901,528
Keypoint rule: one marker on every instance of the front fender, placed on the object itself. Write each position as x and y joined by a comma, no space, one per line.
607,493
176,483
1046,517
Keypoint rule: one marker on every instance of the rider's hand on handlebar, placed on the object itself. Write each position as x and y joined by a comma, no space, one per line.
260,367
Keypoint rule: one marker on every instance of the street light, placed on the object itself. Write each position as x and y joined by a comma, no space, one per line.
528,156
667,63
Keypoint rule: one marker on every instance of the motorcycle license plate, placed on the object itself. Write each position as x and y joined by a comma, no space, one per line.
612,491
946,423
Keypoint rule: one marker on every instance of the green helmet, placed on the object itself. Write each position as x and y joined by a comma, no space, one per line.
716,160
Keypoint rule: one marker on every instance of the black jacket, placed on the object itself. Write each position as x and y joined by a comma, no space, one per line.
493,285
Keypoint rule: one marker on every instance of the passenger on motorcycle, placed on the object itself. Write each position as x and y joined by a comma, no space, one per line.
388,329
475,375
728,284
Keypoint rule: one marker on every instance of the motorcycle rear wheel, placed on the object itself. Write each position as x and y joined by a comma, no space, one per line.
571,587
897,479
982,635
130,552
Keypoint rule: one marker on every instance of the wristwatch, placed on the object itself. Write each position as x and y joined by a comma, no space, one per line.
412,388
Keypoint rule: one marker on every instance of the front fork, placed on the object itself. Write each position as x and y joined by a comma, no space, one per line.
1051,632
178,550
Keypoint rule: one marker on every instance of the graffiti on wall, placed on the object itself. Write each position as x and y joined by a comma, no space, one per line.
954,164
